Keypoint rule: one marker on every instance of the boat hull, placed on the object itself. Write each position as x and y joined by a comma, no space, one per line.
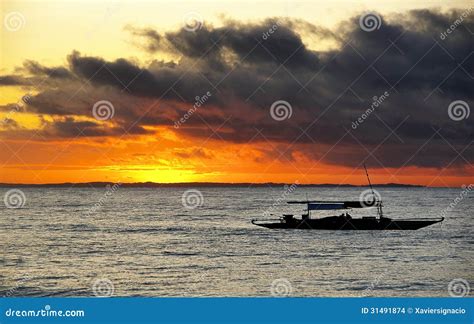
343,223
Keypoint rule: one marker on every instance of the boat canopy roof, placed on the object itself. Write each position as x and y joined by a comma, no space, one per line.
330,205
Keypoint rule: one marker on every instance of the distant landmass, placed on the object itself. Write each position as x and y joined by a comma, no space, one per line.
199,184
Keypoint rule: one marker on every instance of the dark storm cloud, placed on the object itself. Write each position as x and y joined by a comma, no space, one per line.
252,42
119,73
35,68
153,37
125,75
37,74
69,127
12,80
247,68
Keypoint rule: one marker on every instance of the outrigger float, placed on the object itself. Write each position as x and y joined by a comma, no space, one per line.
345,221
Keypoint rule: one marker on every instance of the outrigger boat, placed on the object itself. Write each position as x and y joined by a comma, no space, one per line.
345,222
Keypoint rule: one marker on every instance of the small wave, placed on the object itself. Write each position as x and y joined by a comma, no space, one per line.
153,230
36,292
181,253
82,228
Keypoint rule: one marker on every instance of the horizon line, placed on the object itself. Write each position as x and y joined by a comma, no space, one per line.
212,184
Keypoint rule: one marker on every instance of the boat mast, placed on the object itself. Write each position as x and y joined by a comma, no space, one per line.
379,204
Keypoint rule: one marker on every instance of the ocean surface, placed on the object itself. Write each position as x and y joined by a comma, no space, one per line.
152,242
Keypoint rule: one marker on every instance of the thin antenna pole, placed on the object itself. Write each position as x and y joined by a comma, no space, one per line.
379,205
368,179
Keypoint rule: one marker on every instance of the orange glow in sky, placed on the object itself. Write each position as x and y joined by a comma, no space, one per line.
53,29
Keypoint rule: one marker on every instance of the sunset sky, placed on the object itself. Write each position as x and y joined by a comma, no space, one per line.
276,106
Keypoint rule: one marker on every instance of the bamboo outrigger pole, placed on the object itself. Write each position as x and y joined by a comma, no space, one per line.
379,204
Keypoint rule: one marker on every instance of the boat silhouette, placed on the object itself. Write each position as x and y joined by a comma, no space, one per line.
345,221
